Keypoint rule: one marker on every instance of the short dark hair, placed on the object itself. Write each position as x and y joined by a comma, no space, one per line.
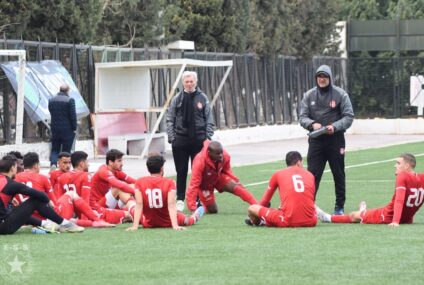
7,162
63,154
16,154
410,159
113,155
77,157
155,162
31,159
292,157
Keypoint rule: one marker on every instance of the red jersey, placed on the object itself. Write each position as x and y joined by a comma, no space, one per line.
296,187
75,180
104,179
407,199
36,181
54,175
206,173
154,190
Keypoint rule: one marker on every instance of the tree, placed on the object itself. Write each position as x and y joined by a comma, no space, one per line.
131,22
65,21
211,24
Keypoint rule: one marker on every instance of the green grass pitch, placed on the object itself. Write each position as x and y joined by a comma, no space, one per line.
221,249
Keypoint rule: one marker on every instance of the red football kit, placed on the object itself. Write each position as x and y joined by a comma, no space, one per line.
208,175
296,187
406,201
36,181
74,180
154,190
104,179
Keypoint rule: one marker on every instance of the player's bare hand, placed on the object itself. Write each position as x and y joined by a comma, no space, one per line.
132,229
178,228
330,129
316,126
15,202
393,225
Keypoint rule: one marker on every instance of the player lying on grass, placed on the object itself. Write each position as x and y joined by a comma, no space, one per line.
406,201
155,197
111,187
212,170
11,219
296,188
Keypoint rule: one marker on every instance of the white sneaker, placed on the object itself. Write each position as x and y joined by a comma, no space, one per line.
322,216
70,228
180,205
50,227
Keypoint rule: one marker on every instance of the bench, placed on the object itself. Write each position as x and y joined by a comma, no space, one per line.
133,144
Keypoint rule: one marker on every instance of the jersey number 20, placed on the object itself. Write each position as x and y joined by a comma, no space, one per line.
416,197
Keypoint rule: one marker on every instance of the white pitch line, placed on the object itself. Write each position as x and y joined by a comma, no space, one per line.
347,167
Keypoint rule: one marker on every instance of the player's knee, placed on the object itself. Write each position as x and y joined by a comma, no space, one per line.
253,210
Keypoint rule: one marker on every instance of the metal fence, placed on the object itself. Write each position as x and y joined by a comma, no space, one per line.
258,91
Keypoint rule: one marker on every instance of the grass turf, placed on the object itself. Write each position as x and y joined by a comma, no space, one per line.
221,249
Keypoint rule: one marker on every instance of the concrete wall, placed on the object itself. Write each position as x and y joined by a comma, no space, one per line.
257,134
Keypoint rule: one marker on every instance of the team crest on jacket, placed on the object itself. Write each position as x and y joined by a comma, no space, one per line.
199,105
342,151
333,104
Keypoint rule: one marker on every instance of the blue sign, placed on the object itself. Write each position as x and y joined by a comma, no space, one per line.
42,81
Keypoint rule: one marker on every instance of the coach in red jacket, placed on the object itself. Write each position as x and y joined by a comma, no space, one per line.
212,170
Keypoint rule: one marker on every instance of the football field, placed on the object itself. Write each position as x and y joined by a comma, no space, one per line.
221,249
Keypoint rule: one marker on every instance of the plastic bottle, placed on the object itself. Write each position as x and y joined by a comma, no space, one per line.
38,231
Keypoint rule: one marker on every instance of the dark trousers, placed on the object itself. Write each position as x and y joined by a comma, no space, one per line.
21,215
184,150
331,149
61,141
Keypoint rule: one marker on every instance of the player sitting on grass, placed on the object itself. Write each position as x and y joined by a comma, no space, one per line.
212,170
12,220
155,197
111,187
79,180
406,201
74,189
64,165
296,187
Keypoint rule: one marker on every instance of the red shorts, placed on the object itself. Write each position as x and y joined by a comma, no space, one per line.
111,216
275,218
65,207
207,196
375,216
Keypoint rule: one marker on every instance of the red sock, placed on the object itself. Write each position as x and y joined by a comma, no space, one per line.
341,219
184,220
245,195
84,223
85,209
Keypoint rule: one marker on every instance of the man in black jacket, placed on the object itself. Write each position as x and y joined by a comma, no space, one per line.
327,106
63,122
189,124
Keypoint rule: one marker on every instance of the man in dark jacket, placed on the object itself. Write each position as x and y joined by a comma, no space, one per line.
63,122
327,106
189,124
